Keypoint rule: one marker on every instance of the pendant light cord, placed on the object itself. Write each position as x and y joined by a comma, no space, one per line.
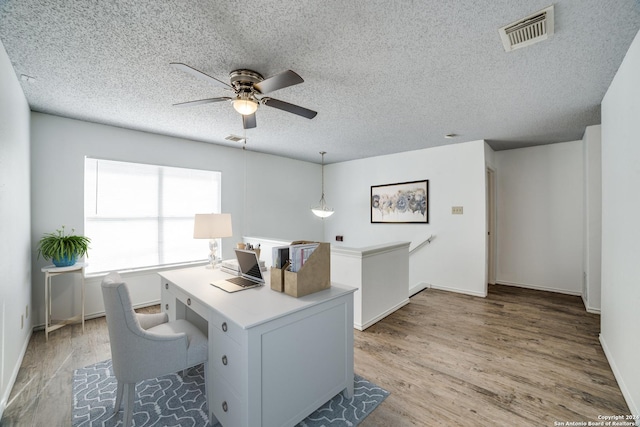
323,203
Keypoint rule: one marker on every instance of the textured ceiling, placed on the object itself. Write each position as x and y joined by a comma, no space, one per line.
384,76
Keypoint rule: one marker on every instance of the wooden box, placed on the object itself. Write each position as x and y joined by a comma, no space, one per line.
277,279
313,276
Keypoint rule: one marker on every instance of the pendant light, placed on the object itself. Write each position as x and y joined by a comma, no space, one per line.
322,210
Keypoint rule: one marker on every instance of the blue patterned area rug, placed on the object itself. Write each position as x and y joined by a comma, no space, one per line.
174,400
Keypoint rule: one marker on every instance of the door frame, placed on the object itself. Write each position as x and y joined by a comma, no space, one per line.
491,226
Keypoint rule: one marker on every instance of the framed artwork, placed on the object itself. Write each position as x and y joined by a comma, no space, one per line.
404,202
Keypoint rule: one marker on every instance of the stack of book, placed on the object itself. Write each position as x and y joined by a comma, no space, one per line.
294,255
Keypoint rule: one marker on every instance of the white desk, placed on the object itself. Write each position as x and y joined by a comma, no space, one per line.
52,271
273,359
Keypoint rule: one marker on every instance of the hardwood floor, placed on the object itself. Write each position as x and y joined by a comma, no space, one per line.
518,357
42,395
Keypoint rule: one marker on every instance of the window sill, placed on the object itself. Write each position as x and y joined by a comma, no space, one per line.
131,272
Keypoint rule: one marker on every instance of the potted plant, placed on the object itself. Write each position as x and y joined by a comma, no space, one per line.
63,250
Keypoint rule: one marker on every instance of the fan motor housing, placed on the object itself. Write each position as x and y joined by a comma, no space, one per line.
244,77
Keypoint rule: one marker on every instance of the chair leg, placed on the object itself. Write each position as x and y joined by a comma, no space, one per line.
127,417
119,396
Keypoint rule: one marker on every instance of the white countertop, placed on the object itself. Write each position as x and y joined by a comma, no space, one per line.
369,250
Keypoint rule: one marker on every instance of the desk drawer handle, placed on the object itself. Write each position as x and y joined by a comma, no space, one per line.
225,407
224,326
188,301
224,360
166,286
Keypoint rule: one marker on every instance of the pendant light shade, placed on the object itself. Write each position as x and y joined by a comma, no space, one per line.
322,210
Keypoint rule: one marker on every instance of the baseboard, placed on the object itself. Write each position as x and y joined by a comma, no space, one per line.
593,310
459,291
97,314
362,327
539,288
135,306
588,308
418,288
4,402
633,406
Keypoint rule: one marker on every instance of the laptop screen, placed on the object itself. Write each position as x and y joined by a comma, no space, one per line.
249,264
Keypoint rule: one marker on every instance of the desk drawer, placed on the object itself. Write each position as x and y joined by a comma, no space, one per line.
168,301
170,289
227,406
227,359
227,327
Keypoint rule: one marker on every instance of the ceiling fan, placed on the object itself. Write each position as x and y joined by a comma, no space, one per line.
248,87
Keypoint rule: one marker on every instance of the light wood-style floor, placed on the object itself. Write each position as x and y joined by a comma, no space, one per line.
516,358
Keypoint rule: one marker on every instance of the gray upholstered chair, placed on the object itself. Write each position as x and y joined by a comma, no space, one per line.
146,345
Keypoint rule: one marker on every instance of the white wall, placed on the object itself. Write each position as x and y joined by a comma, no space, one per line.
539,215
15,215
455,260
592,235
620,321
59,146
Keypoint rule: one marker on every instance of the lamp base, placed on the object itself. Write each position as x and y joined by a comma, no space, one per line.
214,262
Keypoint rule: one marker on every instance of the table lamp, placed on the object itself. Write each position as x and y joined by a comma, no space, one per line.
212,226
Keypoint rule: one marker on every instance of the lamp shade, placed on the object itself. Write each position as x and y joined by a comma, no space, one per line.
212,226
322,211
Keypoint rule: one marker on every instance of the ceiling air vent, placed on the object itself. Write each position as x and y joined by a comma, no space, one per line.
234,138
527,31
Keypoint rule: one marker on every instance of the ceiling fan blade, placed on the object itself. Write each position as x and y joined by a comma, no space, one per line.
290,108
249,122
201,101
200,74
279,81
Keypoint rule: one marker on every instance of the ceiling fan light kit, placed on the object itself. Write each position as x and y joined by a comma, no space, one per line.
245,105
248,86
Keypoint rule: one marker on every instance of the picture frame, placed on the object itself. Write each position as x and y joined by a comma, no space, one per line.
400,203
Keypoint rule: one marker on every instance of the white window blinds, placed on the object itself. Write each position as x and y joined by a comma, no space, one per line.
141,216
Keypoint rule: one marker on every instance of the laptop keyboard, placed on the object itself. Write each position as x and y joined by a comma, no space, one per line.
241,281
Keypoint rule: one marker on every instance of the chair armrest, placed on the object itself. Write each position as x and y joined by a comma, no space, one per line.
154,336
150,320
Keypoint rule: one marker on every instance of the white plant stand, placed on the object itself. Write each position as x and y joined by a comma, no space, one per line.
51,271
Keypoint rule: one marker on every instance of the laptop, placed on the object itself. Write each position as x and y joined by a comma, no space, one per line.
250,273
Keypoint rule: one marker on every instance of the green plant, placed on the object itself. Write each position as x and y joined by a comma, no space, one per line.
58,245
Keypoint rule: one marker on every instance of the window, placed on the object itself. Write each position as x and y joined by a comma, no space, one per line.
141,216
